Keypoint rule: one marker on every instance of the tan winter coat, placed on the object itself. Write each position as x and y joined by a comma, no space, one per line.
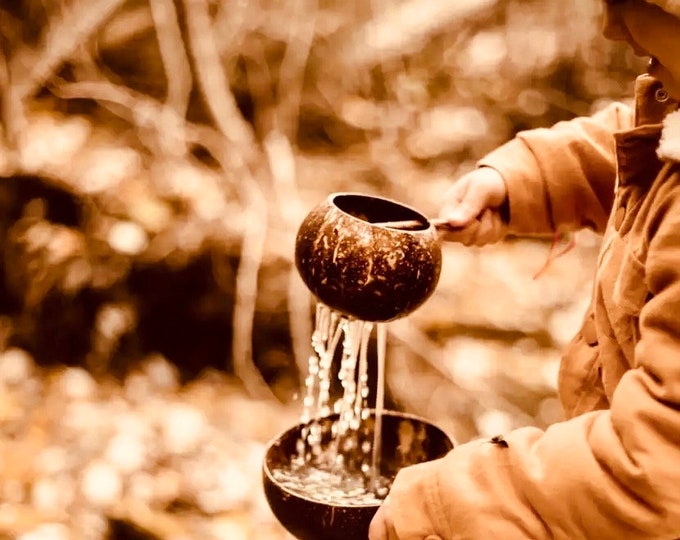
612,470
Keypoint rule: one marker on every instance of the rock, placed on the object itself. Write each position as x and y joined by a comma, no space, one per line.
141,487
105,167
128,238
51,142
89,523
137,387
77,383
133,423
12,491
47,531
53,493
84,420
182,428
230,490
51,460
10,408
101,484
228,527
161,374
167,485
16,366
126,452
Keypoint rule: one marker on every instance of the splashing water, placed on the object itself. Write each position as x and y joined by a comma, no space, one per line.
346,469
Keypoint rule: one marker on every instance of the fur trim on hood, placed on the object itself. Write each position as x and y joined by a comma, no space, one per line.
669,147
671,6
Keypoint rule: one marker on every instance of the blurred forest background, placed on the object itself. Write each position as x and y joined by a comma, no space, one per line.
156,158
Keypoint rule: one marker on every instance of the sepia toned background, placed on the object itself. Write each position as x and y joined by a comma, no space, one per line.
156,158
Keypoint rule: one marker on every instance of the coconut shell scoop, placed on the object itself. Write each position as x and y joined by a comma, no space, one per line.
368,257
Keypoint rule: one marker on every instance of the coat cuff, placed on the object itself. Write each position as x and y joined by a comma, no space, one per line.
515,162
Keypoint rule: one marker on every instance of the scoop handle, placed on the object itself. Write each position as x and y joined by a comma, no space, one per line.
439,223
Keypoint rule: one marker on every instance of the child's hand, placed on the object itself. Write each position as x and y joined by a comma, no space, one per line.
406,512
471,208
382,526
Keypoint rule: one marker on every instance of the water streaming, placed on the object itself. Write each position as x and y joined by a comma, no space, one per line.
379,401
342,466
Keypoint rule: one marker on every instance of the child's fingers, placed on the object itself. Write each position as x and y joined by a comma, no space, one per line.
382,525
491,228
488,228
461,204
471,194
462,235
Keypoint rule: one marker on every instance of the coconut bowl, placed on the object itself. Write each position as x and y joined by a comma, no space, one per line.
406,440
355,264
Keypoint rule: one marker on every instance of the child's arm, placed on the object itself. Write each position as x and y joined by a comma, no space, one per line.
608,474
562,177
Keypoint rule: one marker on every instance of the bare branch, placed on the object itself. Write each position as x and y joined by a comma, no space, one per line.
282,165
5,109
230,25
222,105
291,73
128,24
32,68
177,74
144,112
213,81
413,337
174,56
139,107
252,250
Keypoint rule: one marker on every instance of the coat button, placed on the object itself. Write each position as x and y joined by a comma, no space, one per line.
619,217
661,95
589,332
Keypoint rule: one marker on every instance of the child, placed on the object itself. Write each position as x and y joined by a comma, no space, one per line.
612,469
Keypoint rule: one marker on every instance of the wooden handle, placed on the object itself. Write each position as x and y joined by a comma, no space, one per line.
411,223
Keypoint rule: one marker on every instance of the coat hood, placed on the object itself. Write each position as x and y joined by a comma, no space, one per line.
669,146
671,6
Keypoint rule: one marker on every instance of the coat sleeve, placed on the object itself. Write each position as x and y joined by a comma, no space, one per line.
605,475
562,178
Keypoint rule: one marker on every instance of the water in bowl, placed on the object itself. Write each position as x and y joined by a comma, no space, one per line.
332,487
343,466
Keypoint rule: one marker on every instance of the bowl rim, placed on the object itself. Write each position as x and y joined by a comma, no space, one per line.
386,412
427,224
